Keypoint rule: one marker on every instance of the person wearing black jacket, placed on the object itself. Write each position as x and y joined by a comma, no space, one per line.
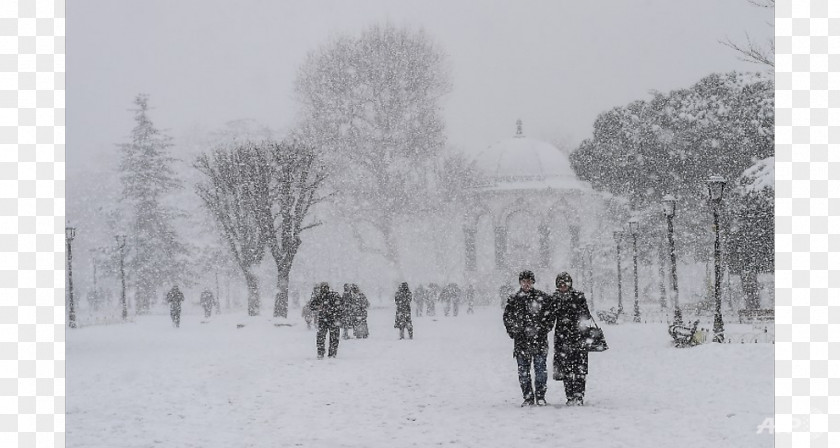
571,357
175,297
528,319
330,310
402,319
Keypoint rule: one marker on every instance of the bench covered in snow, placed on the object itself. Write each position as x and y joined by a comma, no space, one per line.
758,315
684,336
607,316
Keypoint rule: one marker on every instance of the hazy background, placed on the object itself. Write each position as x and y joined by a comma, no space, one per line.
555,64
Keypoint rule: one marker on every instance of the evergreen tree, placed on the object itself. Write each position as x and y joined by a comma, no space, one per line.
156,257
751,237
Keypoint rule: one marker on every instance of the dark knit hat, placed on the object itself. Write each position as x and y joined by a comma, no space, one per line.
563,277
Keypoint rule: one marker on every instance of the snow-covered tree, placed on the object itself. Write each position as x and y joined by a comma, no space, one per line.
157,256
751,235
287,181
229,194
372,105
260,194
673,142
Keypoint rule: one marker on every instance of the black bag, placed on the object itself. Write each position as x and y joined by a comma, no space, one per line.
594,340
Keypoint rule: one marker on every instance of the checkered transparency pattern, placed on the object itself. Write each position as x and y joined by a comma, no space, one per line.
807,255
31,221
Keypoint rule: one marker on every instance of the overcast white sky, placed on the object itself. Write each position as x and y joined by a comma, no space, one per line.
556,64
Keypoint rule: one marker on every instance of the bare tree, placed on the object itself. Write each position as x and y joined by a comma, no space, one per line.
372,105
230,195
286,178
753,51
260,194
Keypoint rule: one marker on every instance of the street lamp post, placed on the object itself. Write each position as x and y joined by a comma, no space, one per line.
69,234
716,185
633,225
617,236
669,207
121,246
588,250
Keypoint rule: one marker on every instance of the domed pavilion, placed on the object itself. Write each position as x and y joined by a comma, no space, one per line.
530,208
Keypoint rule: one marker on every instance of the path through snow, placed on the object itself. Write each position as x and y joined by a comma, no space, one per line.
147,384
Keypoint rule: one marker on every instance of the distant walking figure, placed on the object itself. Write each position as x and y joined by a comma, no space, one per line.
207,302
402,319
419,300
175,297
329,306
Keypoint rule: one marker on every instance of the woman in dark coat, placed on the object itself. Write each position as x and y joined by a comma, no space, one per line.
402,319
571,358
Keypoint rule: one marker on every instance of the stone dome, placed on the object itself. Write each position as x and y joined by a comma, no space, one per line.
524,163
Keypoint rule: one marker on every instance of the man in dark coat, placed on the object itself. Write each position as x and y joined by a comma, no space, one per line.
329,307
571,357
402,320
528,319
175,297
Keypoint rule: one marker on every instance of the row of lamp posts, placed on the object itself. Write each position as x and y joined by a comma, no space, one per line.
715,185
69,235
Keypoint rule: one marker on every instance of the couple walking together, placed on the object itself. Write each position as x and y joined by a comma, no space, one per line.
529,316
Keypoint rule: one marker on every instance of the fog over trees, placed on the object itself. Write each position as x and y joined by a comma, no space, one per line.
363,186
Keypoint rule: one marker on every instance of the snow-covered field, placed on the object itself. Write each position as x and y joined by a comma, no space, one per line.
146,384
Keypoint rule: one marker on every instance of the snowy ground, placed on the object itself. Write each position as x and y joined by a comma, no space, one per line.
146,384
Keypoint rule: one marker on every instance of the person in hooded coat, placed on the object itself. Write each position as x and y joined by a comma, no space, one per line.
402,319
571,357
528,318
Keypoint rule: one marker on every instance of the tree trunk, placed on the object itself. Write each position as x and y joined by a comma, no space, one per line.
253,293
281,301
